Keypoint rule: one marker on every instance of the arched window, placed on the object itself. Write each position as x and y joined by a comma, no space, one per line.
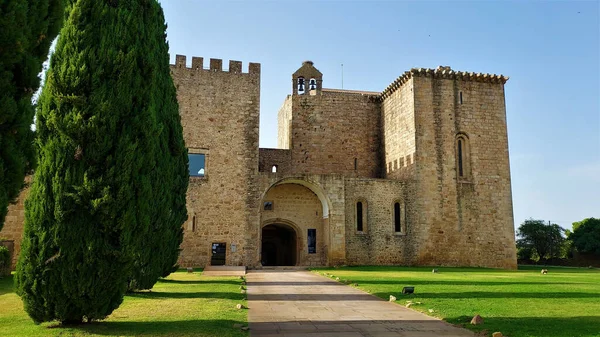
301,85
312,84
274,169
359,216
463,167
397,221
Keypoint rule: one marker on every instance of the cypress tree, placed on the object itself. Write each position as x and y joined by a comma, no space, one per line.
112,171
27,29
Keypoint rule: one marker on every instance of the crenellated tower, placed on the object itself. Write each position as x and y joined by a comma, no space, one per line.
220,117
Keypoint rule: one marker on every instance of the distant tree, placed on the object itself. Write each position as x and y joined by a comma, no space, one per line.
27,28
586,236
545,239
108,198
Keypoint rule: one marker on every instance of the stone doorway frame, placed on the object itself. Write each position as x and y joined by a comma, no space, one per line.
292,226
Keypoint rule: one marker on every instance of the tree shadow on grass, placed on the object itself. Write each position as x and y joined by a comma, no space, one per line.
521,268
486,294
581,326
191,327
7,285
159,294
183,282
405,281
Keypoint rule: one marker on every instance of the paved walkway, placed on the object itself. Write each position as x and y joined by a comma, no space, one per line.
301,303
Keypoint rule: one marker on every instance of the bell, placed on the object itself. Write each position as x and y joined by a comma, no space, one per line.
300,84
313,85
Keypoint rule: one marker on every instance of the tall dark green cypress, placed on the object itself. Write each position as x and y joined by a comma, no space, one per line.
112,170
27,28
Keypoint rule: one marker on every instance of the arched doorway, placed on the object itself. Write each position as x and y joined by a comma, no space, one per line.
278,245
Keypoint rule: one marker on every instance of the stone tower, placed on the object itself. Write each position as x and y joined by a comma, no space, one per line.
445,133
220,117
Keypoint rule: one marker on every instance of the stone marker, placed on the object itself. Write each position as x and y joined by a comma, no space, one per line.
497,334
243,291
190,270
239,306
544,271
434,271
430,310
392,298
477,320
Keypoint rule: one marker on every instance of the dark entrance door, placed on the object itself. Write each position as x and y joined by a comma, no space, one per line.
219,250
278,245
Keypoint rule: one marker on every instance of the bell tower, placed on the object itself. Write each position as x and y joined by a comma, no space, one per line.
307,80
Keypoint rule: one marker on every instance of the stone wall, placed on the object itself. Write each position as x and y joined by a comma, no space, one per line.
220,116
378,243
275,157
284,124
335,134
399,134
13,224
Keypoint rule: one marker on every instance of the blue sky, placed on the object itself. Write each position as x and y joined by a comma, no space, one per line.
550,50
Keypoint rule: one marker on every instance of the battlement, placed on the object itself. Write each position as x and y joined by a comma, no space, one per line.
215,65
443,72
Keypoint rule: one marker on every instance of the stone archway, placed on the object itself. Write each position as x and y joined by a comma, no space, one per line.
279,245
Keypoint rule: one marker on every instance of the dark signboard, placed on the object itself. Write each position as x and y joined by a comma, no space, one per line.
312,241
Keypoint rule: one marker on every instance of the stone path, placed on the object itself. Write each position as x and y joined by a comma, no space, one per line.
301,303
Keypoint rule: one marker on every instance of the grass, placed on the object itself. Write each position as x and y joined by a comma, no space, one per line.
522,303
181,305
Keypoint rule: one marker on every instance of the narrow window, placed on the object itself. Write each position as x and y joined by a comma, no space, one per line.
460,100
397,224
460,158
312,240
268,206
274,169
359,216
197,164
355,164
194,223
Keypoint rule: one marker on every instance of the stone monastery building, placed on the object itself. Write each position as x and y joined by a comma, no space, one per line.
417,174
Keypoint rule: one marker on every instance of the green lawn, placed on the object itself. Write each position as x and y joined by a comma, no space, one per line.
181,305
523,303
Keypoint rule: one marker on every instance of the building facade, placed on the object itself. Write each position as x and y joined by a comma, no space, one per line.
417,174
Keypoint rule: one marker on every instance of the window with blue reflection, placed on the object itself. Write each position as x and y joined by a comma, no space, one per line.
197,164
